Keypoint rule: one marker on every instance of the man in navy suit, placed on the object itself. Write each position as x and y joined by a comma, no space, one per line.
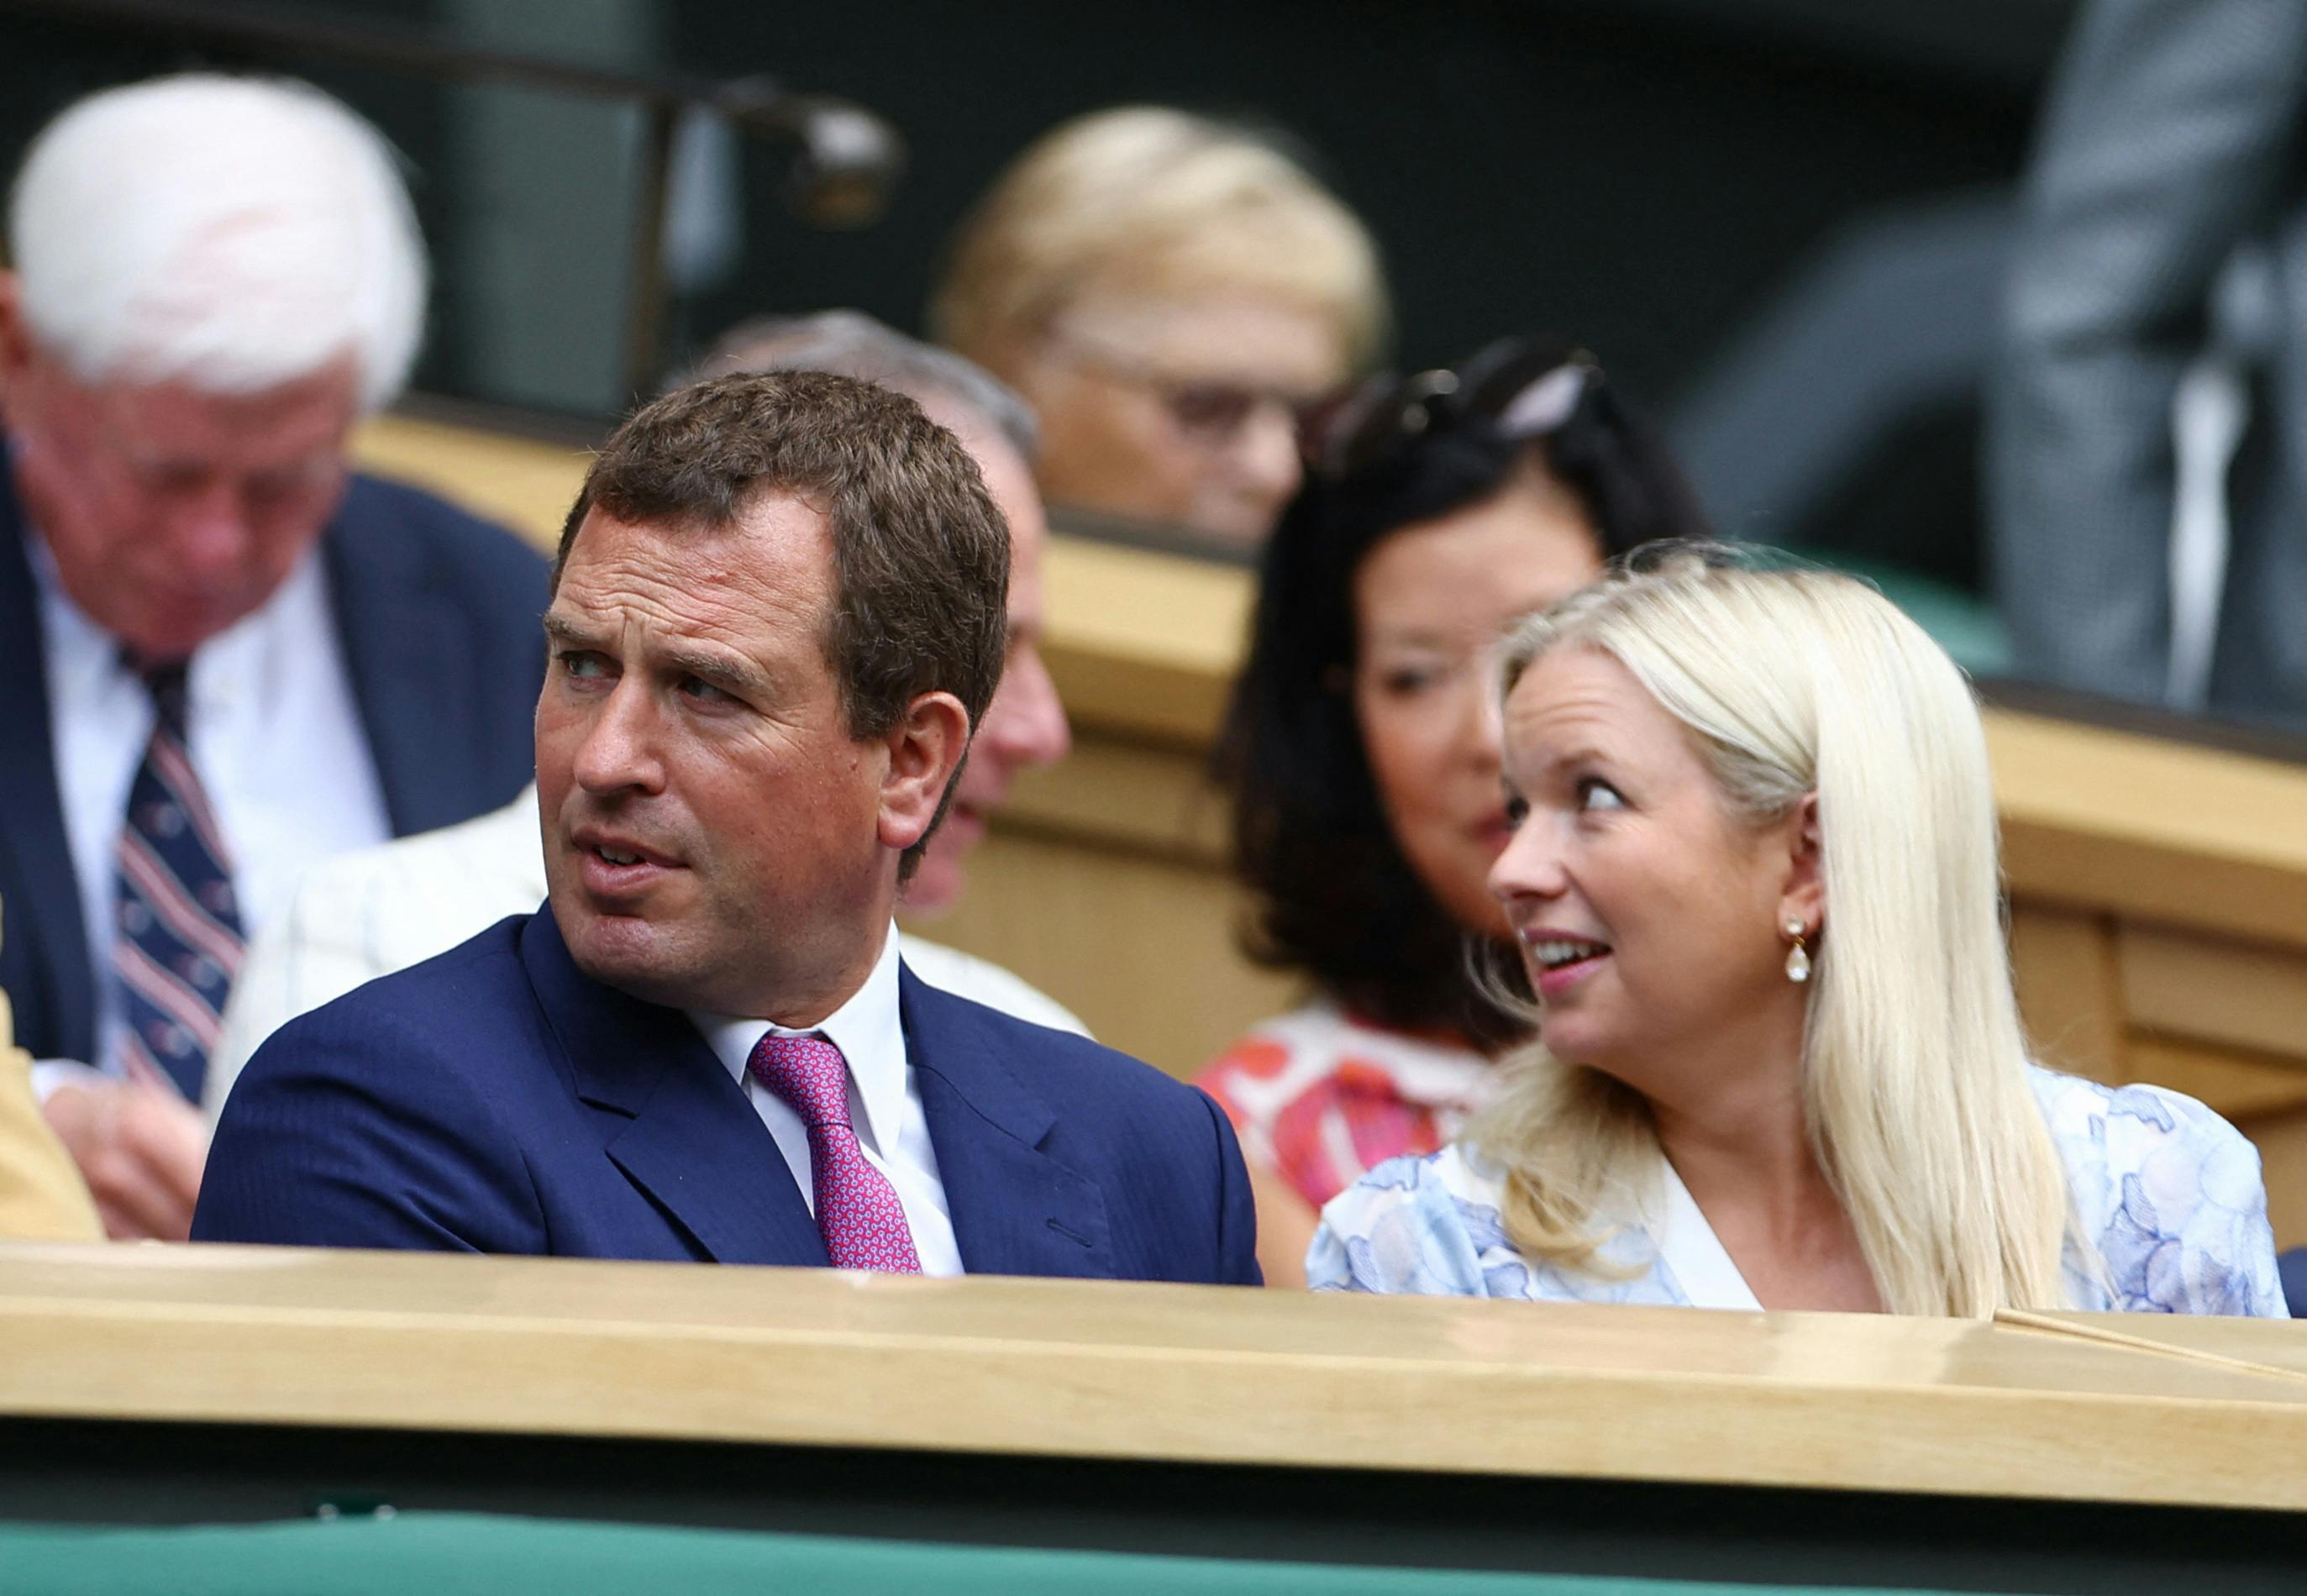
778,614
228,656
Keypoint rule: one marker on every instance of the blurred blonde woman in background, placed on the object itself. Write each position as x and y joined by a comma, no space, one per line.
1753,883
1167,291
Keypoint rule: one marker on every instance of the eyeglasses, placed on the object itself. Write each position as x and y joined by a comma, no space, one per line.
1519,388
1207,413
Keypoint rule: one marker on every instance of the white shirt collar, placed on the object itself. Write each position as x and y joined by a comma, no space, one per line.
868,1031
80,653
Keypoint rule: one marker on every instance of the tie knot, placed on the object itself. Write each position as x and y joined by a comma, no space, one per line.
807,1073
166,684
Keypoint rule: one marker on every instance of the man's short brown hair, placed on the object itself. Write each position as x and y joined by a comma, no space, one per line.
921,551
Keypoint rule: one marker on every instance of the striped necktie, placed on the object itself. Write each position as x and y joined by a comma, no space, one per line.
177,943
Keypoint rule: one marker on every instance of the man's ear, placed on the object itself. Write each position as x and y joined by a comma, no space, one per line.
925,748
28,373
1804,895
15,337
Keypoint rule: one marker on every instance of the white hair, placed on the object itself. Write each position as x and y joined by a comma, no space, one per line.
852,344
1914,1082
231,233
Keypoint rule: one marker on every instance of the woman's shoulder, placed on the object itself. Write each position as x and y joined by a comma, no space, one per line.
1435,1226
1272,1066
1456,1182
2128,1125
1425,1225
2168,1192
1302,1040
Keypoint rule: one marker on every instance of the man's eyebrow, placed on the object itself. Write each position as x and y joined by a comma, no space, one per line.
728,672
725,671
561,629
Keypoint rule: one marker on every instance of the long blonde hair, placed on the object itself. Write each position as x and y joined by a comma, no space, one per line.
1915,1084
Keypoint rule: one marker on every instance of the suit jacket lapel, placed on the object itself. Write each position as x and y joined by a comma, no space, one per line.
392,622
44,948
672,1118
1015,1210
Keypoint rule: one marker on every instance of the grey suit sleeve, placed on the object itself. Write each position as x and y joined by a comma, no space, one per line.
2163,144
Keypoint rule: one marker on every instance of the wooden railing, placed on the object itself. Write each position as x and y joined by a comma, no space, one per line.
2207,1412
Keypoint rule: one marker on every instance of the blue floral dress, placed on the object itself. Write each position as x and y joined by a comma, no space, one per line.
2169,1192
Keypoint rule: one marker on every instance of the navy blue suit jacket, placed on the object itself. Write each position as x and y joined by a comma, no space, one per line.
496,1099
436,614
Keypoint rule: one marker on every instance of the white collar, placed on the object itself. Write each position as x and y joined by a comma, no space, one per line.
80,653
866,1028
1693,1254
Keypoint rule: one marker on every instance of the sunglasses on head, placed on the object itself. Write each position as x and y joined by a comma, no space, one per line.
1518,387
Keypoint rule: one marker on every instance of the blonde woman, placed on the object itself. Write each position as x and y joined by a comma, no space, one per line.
1168,291
1754,884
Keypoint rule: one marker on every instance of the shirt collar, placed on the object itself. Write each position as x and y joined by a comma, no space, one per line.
83,657
867,1029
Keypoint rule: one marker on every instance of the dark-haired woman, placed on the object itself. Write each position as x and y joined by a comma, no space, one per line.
1361,749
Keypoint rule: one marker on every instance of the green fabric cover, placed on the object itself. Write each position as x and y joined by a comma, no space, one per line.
451,1554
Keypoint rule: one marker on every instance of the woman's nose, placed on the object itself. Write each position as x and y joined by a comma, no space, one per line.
1481,728
1530,869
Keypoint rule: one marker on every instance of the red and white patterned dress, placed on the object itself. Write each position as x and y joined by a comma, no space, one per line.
1319,1095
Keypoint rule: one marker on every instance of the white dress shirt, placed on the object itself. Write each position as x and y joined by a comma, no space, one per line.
885,1103
368,913
274,733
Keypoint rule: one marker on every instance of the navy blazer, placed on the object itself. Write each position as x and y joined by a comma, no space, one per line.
436,614
496,1099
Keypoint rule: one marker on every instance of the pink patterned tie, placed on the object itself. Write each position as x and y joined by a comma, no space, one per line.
857,1208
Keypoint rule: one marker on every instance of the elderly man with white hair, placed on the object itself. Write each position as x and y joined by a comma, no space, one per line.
230,656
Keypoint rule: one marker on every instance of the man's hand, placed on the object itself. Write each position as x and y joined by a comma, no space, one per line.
139,1148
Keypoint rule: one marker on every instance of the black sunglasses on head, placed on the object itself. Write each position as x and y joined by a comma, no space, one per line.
1520,388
